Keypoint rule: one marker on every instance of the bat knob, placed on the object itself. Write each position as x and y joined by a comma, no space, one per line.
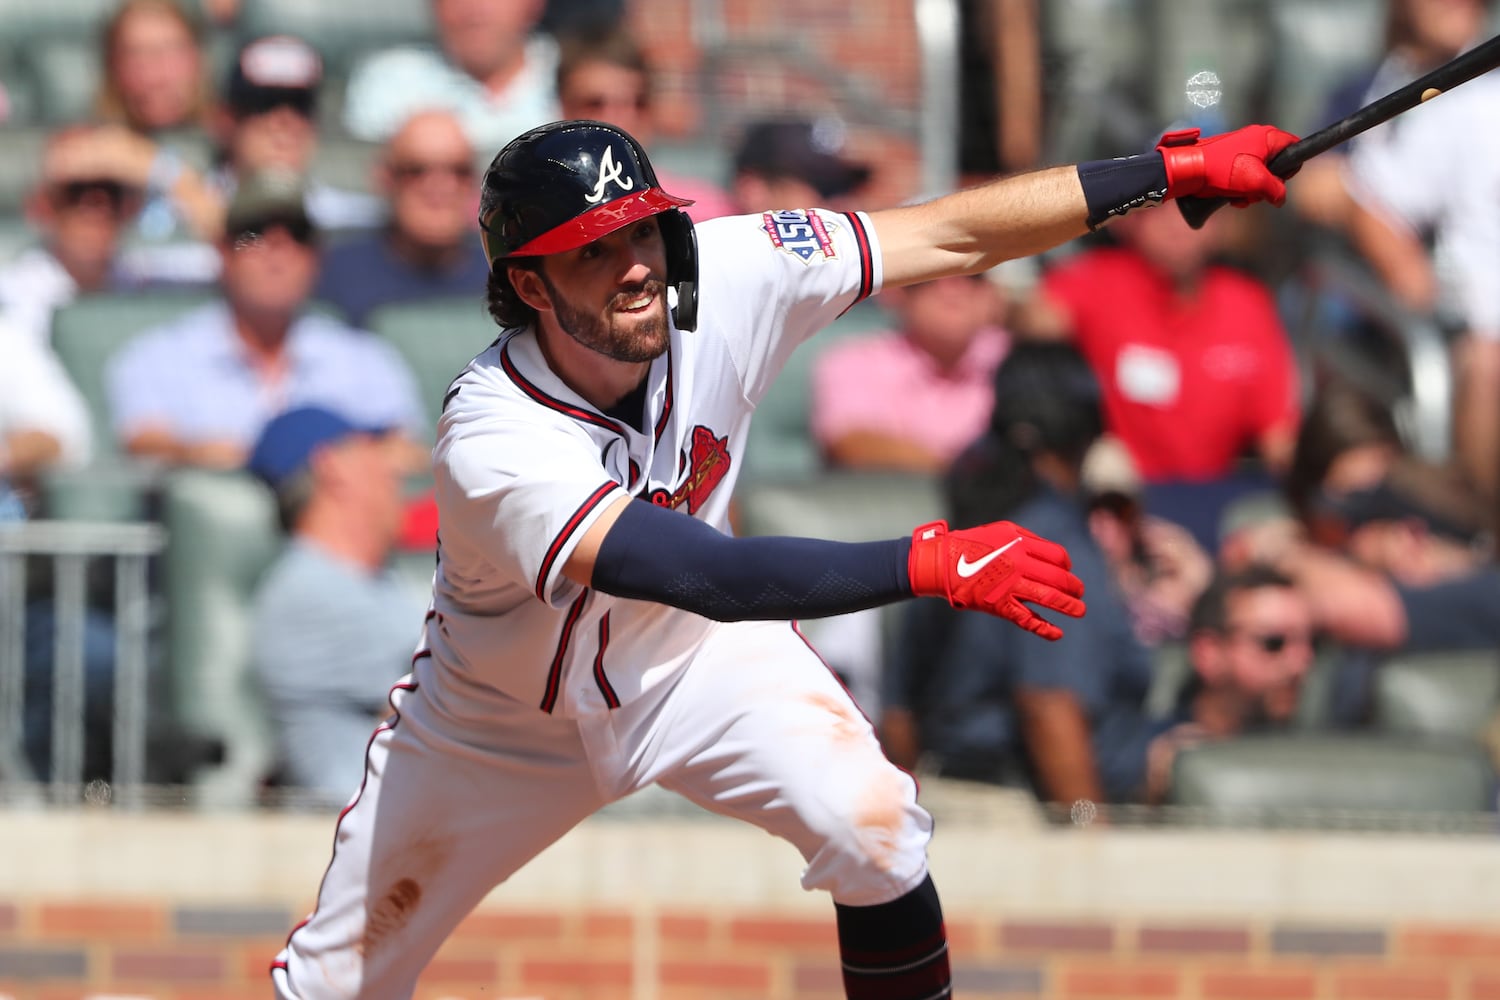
1197,210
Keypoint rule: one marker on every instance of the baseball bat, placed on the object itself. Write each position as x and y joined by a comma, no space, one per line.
1461,69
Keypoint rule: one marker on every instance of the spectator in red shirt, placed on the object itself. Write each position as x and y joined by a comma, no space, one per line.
1196,369
1195,365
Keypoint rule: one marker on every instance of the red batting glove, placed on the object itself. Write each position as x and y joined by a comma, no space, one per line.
993,568
1232,165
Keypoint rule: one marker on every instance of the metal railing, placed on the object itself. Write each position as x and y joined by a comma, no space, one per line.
71,546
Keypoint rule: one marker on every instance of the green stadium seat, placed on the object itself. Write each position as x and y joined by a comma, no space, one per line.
1450,694
66,72
842,506
87,332
781,446
222,534
328,26
436,338
1299,779
20,169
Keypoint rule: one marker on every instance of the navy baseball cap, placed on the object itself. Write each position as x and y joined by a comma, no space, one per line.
809,150
275,71
287,443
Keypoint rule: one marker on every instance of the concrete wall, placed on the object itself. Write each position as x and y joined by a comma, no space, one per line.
187,905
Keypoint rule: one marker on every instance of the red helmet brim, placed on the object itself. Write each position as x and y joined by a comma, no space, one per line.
600,221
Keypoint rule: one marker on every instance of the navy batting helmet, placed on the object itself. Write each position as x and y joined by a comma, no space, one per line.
568,183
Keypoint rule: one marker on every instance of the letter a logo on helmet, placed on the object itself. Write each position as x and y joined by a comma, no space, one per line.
609,172
562,185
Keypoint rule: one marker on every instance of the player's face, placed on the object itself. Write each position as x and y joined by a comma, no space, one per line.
610,296
1268,648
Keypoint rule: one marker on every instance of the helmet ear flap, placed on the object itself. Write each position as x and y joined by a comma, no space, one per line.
681,241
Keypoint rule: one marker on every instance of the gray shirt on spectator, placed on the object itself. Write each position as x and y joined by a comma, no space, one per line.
329,640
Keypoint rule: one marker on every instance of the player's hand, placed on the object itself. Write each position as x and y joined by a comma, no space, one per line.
1231,165
994,568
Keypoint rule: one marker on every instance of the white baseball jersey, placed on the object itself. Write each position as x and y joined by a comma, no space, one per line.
524,466
533,701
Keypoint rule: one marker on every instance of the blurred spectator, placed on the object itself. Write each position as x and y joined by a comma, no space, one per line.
270,122
44,422
265,122
1347,441
972,701
1158,566
427,249
1403,563
332,627
605,77
1250,647
1000,92
913,398
794,163
44,425
492,69
154,69
1196,367
1416,199
80,210
199,390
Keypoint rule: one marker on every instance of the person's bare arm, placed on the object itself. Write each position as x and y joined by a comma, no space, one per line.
1056,733
876,450
24,453
166,447
973,230
1396,255
1353,605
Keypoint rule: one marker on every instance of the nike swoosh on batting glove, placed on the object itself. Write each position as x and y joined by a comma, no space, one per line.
995,568
1231,165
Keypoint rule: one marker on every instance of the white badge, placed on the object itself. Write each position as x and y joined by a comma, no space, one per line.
1147,375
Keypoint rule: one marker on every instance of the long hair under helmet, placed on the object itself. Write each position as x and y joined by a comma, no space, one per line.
565,184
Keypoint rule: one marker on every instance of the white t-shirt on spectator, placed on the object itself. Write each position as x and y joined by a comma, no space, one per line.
390,86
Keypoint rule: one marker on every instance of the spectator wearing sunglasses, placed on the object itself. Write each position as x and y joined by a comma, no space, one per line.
1249,647
80,209
427,249
198,390
604,75
270,122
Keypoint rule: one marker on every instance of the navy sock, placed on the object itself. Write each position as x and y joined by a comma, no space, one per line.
896,950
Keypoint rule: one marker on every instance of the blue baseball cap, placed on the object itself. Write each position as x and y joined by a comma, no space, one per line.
287,443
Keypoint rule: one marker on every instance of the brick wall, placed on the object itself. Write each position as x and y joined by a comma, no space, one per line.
57,950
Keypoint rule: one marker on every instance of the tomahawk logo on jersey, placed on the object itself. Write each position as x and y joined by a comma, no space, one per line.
524,466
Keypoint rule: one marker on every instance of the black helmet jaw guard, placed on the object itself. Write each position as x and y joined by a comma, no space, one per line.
562,185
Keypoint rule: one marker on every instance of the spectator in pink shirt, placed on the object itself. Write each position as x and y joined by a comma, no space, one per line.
911,399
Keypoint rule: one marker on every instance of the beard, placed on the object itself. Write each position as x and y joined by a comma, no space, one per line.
645,339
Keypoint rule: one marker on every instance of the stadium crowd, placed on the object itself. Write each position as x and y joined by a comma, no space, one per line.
1233,471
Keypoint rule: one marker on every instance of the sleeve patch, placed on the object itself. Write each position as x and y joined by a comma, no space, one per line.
803,233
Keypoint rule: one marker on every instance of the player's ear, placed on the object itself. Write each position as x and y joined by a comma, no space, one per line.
530,288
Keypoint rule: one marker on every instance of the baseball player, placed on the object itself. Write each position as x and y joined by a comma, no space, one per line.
594,626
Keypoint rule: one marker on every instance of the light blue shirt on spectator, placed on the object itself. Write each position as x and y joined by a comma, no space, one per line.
389,86
191,377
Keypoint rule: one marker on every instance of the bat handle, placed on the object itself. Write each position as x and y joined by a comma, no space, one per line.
1197,210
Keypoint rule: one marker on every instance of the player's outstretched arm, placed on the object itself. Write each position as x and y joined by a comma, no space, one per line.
643,552
975,229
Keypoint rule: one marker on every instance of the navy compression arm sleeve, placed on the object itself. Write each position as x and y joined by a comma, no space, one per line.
654,554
